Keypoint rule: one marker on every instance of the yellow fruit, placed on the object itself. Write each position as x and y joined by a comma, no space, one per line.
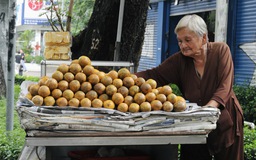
152,82
139,81
75,68
43,80
63,85
106,80
88,70
172,98
38,100
49,101
33,89
64,68
145,107
123,90
61,102
74,85
118,83
103,97
97,103
145,88
123,72
113,74
100,74
68,94
91,95
133,90
29,96
85,102
51,83
155,91
150,96
57,75
111,89
44,91
134,108
128,100
56,93
93,79
79,95
167,106
75,61
86,87
128,82
84,60
180,104
74,102
117,98
109,104
133,76
161,97
69,76
81,77
156,105
166,90
122,107
139,98
99,88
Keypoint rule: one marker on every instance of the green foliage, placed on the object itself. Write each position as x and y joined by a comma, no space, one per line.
249,143
24,41
19,79
175,89
247,99
34,59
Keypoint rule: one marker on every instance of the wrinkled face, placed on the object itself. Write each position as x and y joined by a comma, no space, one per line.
189,42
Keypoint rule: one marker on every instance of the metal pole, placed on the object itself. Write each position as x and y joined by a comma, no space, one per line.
119,30
11,54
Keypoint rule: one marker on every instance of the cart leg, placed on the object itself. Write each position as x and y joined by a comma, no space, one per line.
32,152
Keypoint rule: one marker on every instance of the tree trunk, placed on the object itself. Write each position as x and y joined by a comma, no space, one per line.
2,81
97,41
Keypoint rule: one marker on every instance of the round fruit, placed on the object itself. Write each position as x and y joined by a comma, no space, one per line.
57,75
84,60
38,100
139,98
81,77
161,97
61,102
128,100
122,107
44,91
139,81
33,89
103,97
152,82
128,82
29,96
180,104
49,101
118,83
172,98
51,83
133,76
93,79
155,91
79,95
56,93
117,98
101,74
74,102
63,85
106,80
99,88
75,61
91,95
123,72
150,96
43,80
167,106
97,103
166,90
123,90
134,108
145,107
109,104
75,68
113,74
86,87
156,105
64,68
133,90
74,85
68,94
85,102
145,88
88,70
69,76
111,89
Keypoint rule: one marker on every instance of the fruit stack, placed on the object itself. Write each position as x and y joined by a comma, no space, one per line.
81,85
57,45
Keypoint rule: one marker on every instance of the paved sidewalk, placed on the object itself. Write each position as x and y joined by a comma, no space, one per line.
33,69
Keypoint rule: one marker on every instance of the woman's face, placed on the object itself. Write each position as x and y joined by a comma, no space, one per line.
190,43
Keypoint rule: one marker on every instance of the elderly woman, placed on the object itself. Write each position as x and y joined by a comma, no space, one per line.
204,72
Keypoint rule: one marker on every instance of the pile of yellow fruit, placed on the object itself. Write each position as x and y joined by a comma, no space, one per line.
81,85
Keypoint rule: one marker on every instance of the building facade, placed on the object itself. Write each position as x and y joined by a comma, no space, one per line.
233,22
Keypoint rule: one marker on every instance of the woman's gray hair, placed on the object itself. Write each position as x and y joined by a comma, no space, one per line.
194,23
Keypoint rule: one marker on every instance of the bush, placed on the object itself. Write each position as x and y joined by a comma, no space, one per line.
19,79
247,99
34,59
249,144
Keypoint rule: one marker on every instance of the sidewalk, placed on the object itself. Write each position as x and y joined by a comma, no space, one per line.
33,69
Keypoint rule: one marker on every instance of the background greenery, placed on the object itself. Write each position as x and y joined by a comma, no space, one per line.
11,142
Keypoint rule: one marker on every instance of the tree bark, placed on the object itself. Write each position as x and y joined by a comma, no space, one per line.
97,41
2,81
